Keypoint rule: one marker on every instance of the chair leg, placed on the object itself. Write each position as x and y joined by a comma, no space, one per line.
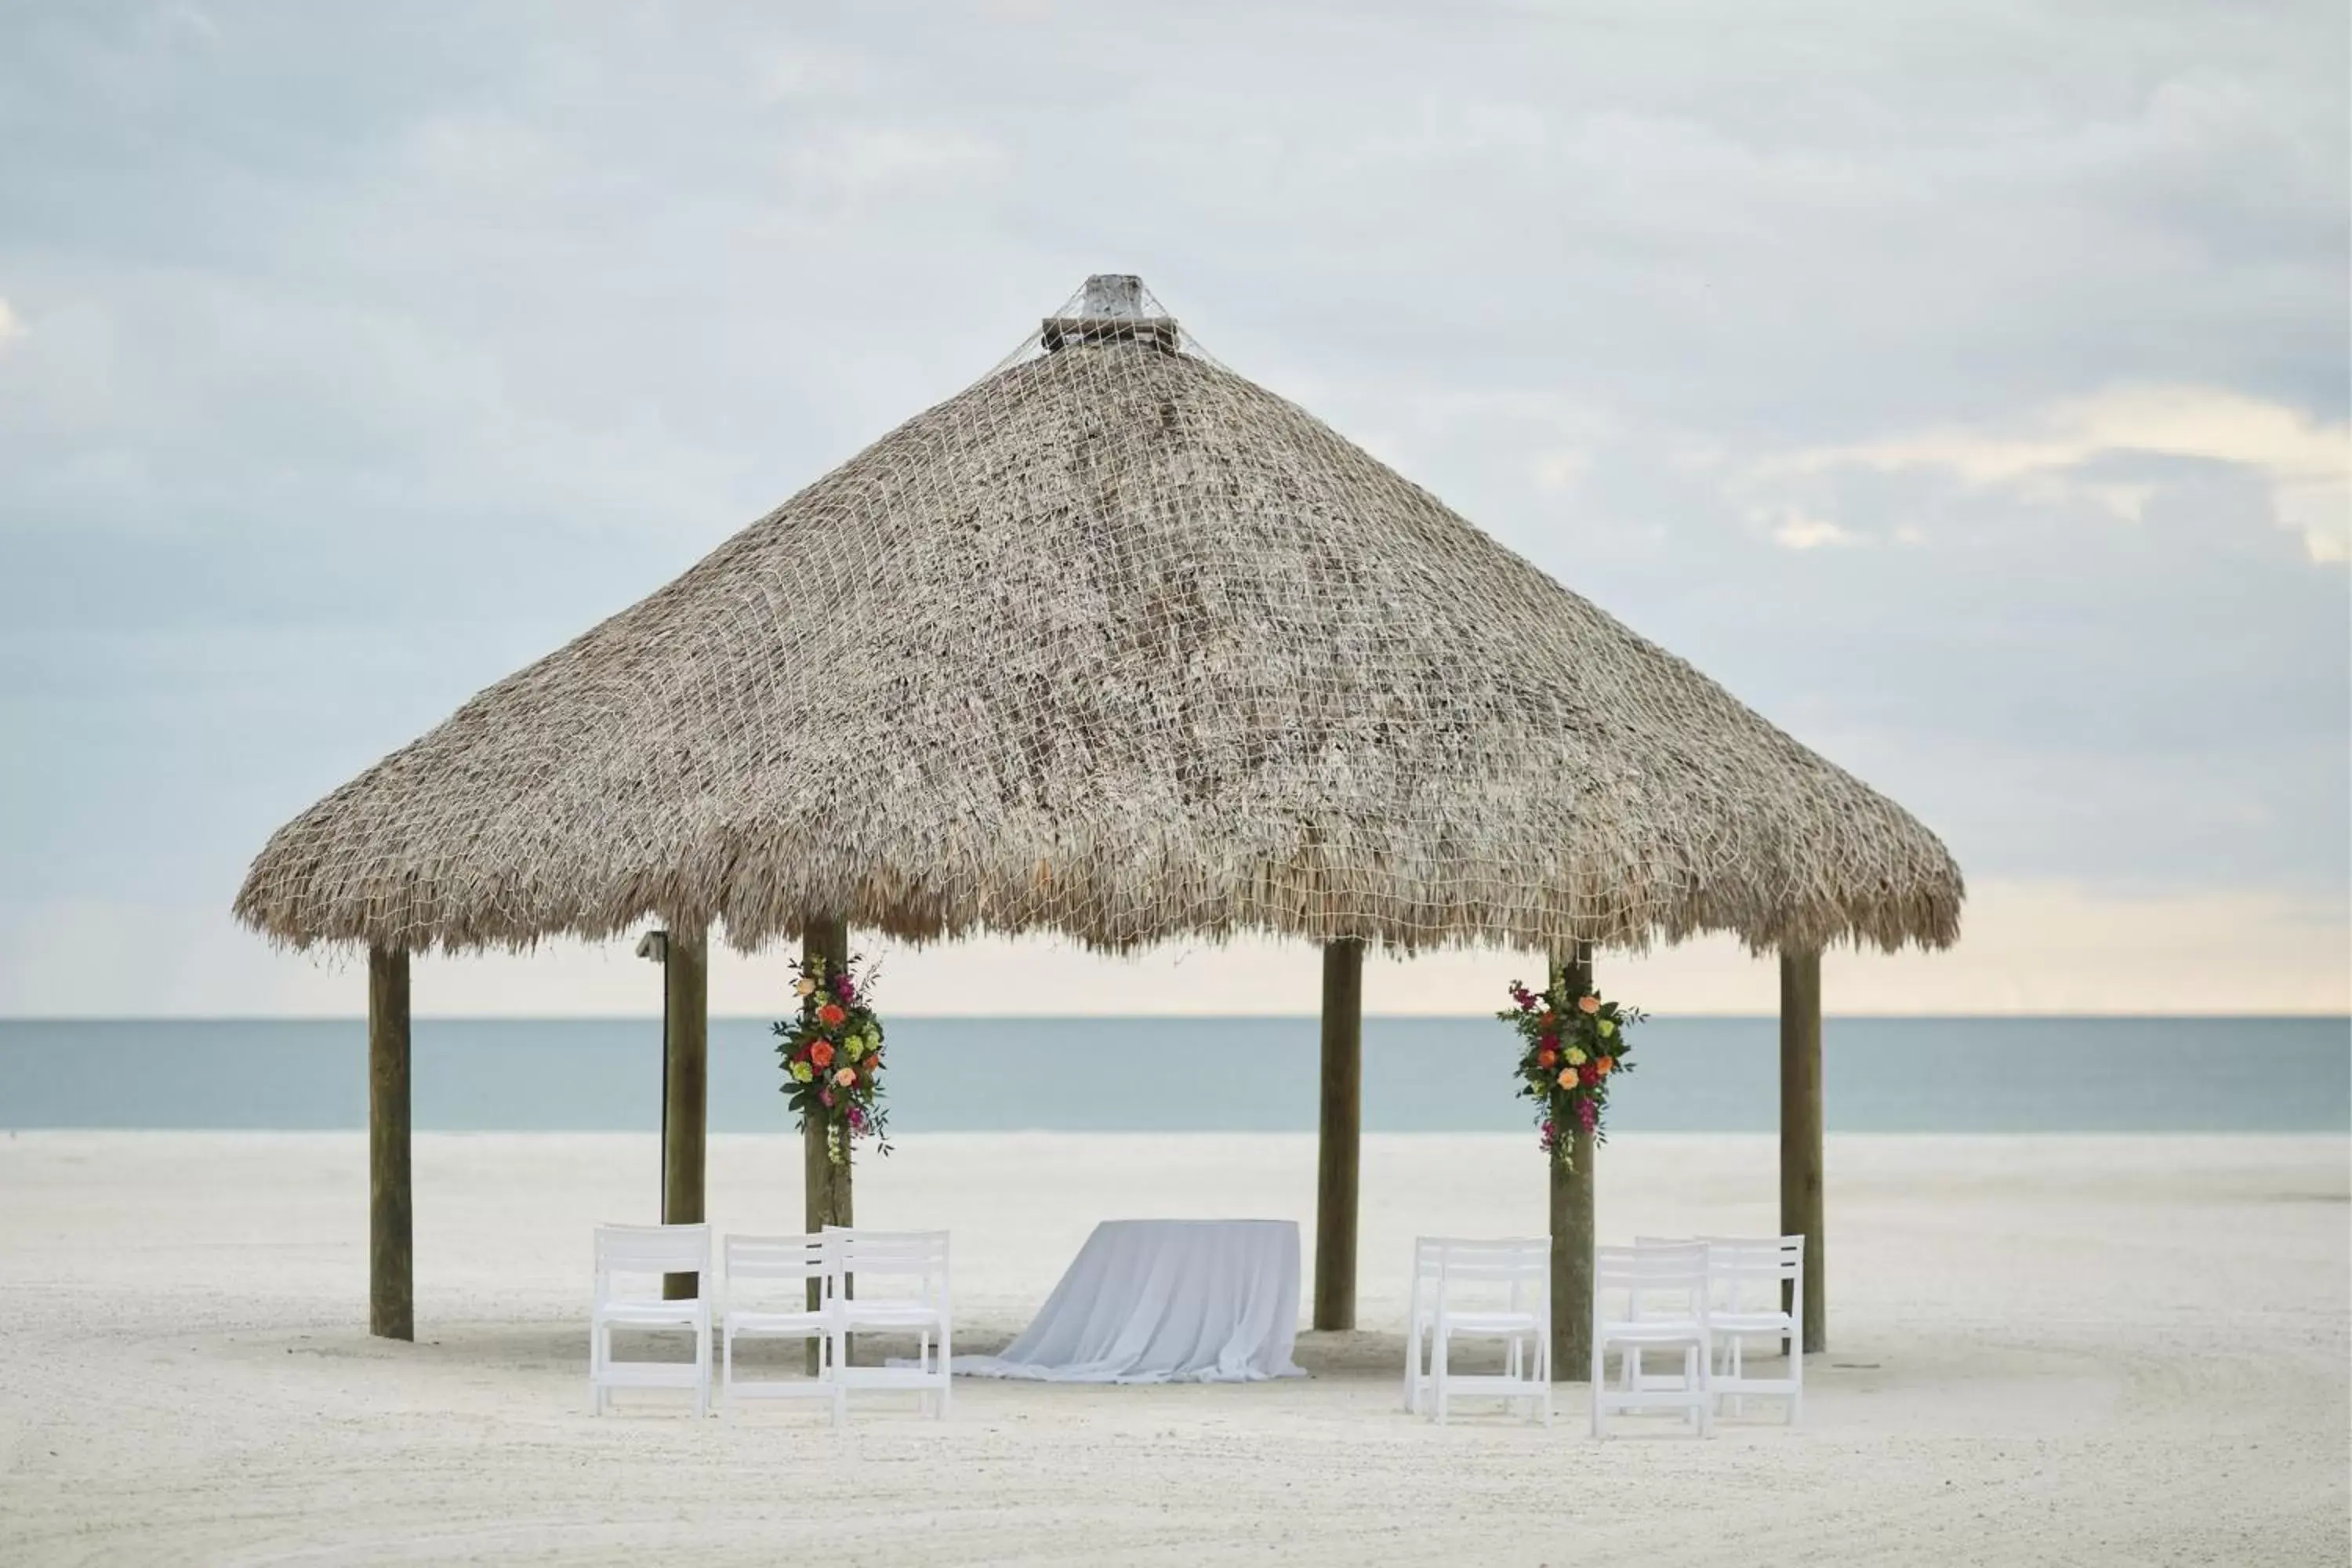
1412,1365
1438,1371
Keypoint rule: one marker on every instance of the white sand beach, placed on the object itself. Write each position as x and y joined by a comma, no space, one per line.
2112,1350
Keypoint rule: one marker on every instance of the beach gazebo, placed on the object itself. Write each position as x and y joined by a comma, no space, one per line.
1117,645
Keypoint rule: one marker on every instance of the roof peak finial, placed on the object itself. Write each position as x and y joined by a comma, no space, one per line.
1113,308
1112,296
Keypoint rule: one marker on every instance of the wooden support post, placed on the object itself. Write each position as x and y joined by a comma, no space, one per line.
1571,1217
1800,1131
826,1197
1340,1153
391,1258
686,1068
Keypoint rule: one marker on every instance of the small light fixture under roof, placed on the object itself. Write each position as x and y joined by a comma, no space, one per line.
1113,308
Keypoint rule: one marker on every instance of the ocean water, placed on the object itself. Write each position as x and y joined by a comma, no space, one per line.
1880,1075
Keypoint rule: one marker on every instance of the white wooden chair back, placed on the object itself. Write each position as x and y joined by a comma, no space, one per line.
1750,1271
1660,1281
754,1260
627,1251
1515,1268
1424,1265
893,1265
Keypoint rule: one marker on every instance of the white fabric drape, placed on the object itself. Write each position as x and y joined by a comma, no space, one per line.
1157,1300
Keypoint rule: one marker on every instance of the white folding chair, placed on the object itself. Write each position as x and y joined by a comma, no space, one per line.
754,1261
1422,1319
633,1251
1745,1275
897,1280
1519,1270
1664,1291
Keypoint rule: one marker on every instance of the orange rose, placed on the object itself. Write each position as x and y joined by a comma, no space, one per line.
821,1053
1547,1057
1605,1064
1549,1018
830,1016
1568,1078
1588,1004
846,1077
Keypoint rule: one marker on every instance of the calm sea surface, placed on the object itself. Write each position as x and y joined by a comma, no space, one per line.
1882,1075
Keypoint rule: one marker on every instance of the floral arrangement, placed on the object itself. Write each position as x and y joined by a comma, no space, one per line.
832,1057
1574,1044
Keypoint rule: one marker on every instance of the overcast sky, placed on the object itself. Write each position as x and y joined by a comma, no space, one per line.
1966,388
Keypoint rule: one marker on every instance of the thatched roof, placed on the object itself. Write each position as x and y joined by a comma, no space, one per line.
1118,645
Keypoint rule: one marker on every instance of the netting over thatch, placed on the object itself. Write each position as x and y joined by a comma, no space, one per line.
1114,644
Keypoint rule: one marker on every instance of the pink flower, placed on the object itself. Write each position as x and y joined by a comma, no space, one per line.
858,1118
824,1098
846,1077
1588,1004
1585,1113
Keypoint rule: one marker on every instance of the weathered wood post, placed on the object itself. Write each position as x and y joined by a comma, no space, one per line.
1571,1215
1800,1129
825,1184
686,1076
1339,1155
391,1258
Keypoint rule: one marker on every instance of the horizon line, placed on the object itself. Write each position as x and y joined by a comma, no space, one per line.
2052,1017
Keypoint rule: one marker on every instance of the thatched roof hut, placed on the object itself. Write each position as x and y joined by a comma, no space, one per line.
1118,645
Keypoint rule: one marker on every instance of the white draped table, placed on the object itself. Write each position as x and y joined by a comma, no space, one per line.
1165,1300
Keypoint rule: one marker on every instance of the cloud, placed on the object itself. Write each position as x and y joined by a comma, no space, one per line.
1560,470
1792,530
2306,461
